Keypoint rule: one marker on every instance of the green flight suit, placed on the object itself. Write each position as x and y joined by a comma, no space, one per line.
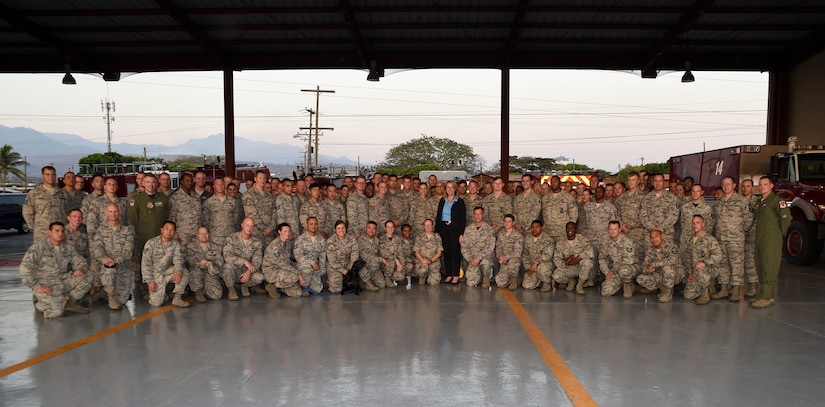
772,221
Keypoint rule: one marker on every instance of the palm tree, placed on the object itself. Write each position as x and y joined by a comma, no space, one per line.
9,161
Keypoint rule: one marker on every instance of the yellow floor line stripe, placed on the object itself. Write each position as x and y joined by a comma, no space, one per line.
568,381
80,342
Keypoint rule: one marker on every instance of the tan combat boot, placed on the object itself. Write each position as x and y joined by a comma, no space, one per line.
232,294
721,294
704,298
422,280
513,283
245,290
751,290
545,287
666,295
571,284
113,305
627,290
369,286
199,296
589,283
73,306
735,293
272,291
178,301
580,287
762,303
485,282
712,287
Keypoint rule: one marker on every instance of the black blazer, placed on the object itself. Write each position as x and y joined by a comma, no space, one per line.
458,216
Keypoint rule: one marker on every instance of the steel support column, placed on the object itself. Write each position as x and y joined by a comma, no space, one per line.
229,120
777,126
505,124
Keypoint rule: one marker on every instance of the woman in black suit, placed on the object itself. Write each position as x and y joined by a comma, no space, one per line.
449,224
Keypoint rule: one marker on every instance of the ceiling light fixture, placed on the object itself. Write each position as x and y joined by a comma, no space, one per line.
68,79
688,76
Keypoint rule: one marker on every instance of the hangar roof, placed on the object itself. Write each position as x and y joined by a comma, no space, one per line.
169,35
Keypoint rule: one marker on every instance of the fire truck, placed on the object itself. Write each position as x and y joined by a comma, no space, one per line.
126,173
798,174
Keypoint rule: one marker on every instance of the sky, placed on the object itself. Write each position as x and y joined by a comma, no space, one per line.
605,119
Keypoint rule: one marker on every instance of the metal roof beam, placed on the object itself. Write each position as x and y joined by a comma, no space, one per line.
515,31
71,54
195,31
691,15
354,31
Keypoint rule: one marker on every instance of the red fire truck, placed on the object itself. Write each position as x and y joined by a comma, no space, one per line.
798,173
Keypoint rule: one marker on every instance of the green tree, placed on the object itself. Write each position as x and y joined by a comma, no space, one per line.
523,164
9,162
574,167
651,168
185,162
443,153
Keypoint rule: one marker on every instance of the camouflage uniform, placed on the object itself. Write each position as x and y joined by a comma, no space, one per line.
668,270
159,264
74,200
117,243
341,254
185,211
733,219
421,210
205,278
79,239
260,206
399,207
660,212
308,251
93,207
368,252
470,204
44,264
750,244
288,212
565,248
599,216
358,207
510,245
538,250
236,251
428,246
558,209
495,207
42,207
619,257
221,216
406,255
629,205
335,211
688,210
379,211
389,250
526,209
280,269
121,203
317,210
478,242
702,249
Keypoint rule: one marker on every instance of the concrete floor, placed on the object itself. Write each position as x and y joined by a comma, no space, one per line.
423,346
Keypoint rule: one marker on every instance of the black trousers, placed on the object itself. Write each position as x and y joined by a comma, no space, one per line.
452,249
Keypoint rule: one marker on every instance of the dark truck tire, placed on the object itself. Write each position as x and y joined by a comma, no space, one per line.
802,247
23,228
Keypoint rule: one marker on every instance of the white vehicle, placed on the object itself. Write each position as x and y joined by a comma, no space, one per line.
443,175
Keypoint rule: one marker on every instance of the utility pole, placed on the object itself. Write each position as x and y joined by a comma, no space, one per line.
318,91
108,107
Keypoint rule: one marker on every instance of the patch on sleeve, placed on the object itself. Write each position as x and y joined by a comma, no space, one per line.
629,249
782,204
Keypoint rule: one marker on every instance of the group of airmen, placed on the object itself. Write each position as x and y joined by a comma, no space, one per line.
299,238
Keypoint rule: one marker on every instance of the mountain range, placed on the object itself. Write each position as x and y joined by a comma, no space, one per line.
63,150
